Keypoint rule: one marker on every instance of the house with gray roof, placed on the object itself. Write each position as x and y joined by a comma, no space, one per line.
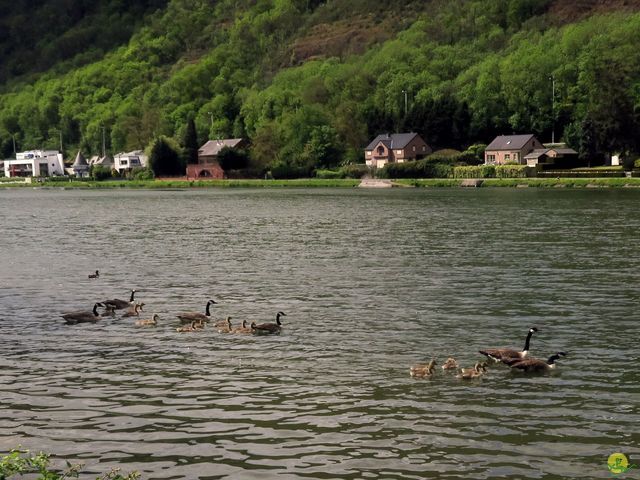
395,147
511,149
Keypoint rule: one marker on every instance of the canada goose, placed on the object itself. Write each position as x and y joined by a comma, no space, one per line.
269,328
422,370
498,354
188,317
243,329
194,327
120,304
535,364
110,311
227,327
83,316
450,364
149,322
95,275
475,372
478,366
134,310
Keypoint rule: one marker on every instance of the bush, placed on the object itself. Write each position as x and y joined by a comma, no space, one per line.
636,164
329,174
357,170
284,171
431,167
100,172
21,462
494,171
245,173
141,174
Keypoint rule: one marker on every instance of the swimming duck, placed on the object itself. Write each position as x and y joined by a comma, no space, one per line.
422,370
498,354
269,328
243,329
227,326
188,317
95,275
535,364
450,364
120,304
134,310
477,371
152,322
83,316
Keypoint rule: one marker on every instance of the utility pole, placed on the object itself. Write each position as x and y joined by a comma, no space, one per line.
13,135
104,153
553,109
60,141
211,117
405,103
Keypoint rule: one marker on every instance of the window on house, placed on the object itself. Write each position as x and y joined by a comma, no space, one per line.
424,148
124,162
368,154
398,152
516,156
380,150
507,157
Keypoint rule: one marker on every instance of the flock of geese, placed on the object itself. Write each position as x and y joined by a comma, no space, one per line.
196,321
516,359
191,321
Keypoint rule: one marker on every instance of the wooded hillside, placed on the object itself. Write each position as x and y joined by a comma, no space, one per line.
311,82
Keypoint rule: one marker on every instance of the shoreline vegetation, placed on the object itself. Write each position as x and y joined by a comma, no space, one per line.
623,182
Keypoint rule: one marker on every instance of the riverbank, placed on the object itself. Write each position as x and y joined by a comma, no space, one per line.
620,182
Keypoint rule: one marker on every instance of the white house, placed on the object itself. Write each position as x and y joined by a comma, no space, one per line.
130,160
35,163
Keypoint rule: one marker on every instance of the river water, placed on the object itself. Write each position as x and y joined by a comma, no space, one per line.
371,281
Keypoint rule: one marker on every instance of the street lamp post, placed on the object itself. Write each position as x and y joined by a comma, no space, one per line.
553,109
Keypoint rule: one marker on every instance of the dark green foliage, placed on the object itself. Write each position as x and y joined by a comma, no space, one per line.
100,172
233,159
190,143
285,172
427,168
165,159
468,69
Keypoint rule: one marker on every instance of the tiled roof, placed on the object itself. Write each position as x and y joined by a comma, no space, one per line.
509,142
213,147
395,140
536,153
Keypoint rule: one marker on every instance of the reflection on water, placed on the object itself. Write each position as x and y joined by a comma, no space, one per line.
371,281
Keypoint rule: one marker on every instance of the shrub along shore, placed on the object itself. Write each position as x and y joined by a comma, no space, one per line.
619,182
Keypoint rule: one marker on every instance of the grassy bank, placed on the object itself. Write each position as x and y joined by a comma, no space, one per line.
331,183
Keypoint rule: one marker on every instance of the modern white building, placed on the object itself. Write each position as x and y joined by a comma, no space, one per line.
35,163
129,160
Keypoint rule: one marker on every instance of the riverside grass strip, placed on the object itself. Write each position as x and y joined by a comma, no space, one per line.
620,182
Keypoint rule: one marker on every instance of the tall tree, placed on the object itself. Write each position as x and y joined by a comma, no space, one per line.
165,158
190,142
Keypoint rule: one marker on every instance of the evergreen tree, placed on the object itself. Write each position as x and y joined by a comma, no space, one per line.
165,158
190,142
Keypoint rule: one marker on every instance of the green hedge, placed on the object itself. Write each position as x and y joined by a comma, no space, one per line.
494,171
347,171
438,167
582,173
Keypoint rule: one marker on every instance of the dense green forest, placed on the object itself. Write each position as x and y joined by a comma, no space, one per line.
311,82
